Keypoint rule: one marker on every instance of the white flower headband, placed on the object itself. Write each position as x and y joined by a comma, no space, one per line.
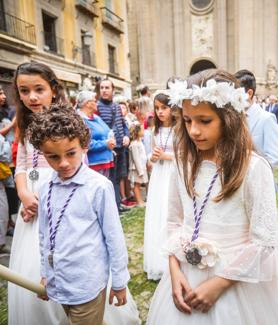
218,93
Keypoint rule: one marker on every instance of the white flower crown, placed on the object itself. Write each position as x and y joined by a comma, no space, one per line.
218,93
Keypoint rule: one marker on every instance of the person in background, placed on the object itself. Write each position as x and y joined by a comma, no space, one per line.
162,157
137,174
7,129
125,189
100,155
262,124
112,115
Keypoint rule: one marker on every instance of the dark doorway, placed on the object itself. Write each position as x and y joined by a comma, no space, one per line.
201,65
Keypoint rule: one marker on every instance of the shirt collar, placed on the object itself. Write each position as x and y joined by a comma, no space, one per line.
78,178
251,109
83,115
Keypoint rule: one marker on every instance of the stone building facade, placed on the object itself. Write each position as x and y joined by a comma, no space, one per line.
82,40
179,37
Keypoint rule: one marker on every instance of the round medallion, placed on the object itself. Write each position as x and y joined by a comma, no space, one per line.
34,175
193,256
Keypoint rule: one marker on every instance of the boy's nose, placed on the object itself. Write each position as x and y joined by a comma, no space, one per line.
64,163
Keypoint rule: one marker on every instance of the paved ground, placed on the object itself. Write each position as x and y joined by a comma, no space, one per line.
141,288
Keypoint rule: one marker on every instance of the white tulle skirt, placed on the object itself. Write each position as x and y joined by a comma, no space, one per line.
155,221
242,304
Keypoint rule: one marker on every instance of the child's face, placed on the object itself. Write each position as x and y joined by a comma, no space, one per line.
34,91
2,97
63,155
163,112
123,109
203,126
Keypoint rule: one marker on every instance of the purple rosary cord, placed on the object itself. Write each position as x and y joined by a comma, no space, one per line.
198,216
35,158
161,144
53,232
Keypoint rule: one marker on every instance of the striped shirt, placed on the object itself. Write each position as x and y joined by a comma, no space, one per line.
111,114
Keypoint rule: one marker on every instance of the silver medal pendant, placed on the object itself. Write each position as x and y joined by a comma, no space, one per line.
34,175
193,256
50,259
161,162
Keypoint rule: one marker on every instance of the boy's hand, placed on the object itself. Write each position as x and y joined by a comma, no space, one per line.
207,293
43,297
120,295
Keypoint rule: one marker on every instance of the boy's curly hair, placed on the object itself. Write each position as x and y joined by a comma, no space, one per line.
57,122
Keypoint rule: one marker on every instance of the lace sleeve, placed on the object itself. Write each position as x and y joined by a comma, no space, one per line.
175,212
21,159
257,259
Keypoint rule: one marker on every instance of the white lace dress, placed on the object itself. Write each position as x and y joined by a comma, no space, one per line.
245,230
157,208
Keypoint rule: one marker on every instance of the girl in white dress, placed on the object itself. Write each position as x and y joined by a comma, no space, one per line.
137,174
157,204
37,87
222,223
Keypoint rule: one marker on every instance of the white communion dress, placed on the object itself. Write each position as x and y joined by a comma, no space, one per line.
24,307
243,229
157,208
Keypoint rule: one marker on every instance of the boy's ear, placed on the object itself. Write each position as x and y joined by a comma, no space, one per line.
85,150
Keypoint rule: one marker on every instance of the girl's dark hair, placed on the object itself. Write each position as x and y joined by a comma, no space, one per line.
58,122
23,114
163,99
233,152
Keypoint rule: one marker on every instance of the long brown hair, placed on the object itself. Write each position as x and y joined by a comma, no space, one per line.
234,149
23,114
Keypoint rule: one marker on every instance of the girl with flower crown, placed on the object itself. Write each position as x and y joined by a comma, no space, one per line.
222,222
157,206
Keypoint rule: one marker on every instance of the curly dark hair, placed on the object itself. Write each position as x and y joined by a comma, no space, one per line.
57,122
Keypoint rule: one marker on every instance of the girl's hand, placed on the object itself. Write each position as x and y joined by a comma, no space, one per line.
26,215
120,295
30,202
180,289
180,286
45,296
111,143
156,154
207,293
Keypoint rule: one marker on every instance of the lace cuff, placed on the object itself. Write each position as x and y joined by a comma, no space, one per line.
252,264
21,165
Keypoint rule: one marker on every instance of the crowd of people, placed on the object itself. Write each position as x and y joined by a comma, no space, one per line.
197,155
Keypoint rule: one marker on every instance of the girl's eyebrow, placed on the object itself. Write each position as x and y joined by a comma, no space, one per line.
198,116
